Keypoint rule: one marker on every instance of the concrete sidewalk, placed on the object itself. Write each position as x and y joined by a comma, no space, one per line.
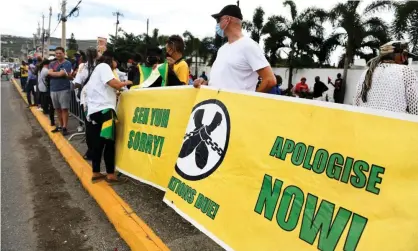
146,202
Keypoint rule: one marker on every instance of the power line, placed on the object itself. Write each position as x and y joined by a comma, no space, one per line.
74,12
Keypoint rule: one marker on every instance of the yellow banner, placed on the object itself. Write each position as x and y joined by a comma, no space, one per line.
150,129
256,172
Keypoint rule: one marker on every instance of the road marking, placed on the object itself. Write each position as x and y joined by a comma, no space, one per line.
136,233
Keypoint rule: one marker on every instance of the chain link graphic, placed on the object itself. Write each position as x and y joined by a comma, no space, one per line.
208,142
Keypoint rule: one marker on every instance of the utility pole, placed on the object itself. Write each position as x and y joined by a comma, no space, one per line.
117,14
238,3
48,43
146,47
43,35
63,21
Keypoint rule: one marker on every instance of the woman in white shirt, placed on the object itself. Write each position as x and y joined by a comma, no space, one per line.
389,84
44,95
80,81
101,103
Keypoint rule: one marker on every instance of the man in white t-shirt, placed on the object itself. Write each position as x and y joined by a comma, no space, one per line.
239,62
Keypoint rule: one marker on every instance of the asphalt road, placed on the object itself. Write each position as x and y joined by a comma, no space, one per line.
43,204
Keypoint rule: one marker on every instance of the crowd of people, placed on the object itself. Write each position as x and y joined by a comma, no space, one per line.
240,65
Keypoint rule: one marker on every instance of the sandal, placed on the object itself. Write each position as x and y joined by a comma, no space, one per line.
115,182
97,178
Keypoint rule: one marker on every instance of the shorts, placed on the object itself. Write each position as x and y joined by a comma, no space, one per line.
61,99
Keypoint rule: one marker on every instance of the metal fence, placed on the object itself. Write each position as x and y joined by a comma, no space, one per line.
77,112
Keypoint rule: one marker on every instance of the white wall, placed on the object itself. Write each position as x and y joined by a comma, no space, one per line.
310,74
352,78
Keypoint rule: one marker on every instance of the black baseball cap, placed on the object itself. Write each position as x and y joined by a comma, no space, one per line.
229,10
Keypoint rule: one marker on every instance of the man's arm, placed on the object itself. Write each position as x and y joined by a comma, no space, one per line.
258,62
53,74
268,80
325,87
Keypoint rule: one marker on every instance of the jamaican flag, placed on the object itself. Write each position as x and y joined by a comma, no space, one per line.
160,71
163,70
144,72
108,127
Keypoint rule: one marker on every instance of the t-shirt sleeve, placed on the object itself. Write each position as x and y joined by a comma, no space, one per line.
255,56
183,73
105,73
68,67
80,77
44,73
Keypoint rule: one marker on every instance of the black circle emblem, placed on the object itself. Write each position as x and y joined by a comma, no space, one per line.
206,140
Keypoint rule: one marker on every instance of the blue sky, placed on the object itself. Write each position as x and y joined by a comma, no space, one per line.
170,17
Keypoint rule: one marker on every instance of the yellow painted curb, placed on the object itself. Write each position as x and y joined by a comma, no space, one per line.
131,228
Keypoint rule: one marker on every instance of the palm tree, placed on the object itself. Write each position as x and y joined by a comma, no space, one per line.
324,49
200,49
256,26
276,34
405,21
359,32
304,31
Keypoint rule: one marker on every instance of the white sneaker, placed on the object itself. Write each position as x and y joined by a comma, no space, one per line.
80,129
40,109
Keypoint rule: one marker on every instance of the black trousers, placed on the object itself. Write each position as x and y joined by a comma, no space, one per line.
101,145
30,90
88,133
47,107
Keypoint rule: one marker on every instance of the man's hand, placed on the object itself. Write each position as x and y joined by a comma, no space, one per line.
128,82
198,82
170,62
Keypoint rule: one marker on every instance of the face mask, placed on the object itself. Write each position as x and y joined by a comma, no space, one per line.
219,31
129,64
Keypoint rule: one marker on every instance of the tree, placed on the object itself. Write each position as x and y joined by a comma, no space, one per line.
217,43
256,26
126,45
360,32
72,46
299,38
405,23
72,43
276,35
199,49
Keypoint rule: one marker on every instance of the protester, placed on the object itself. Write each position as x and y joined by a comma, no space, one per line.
101,103
319,89
24,71
239,62
338,89
204,76
178,72
32,82
44,97
133,68
84,73
301,88
59,72
389,83
38,67
276,89
152,59
191,79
